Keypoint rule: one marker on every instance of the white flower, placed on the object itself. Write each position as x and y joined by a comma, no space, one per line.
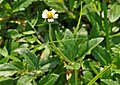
49,15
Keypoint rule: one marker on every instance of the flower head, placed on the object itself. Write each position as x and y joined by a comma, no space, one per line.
49,15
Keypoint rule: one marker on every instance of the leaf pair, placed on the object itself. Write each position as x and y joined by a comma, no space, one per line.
79,46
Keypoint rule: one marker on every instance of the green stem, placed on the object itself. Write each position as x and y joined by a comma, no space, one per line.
76,76
54,46
67,11
98,75
94,5
115,35
106,25
99,5
78,24
59,52
32,26
93,68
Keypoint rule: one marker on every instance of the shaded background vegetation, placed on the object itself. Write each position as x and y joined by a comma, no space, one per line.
87,32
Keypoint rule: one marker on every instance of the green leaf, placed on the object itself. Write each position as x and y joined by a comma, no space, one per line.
13,58
7,6
1,1
114,12
102,55
116,60
30,58
48,80
117,71
82,36
25,80
95,20
55,4
71,4
116,39
50,60
95,31
89,7
38,47
34,82
87,76
77,66
4,52
68,47
4,60
109,82
116,48
18,64
20,5
49,66
45,53
7,67
28,32
6,81
88,46
31,39
7,73
14,45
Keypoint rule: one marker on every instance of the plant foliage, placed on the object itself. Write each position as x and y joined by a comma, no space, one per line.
81,47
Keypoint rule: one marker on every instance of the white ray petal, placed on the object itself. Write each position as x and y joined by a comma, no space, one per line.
51,20
53,11
55,16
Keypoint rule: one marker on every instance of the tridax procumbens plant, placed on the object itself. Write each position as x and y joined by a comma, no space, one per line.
59,42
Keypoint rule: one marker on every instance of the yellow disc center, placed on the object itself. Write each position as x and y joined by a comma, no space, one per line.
50,14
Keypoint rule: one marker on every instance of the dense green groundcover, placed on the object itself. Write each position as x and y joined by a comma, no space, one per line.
59,42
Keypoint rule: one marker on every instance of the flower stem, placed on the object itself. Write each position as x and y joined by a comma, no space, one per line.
106,25
54,46
60,53
99,75
78,24
68,12
76,76
66,9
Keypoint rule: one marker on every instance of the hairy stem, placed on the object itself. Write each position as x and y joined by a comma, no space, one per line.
98,75
106,25
54,46
78,24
